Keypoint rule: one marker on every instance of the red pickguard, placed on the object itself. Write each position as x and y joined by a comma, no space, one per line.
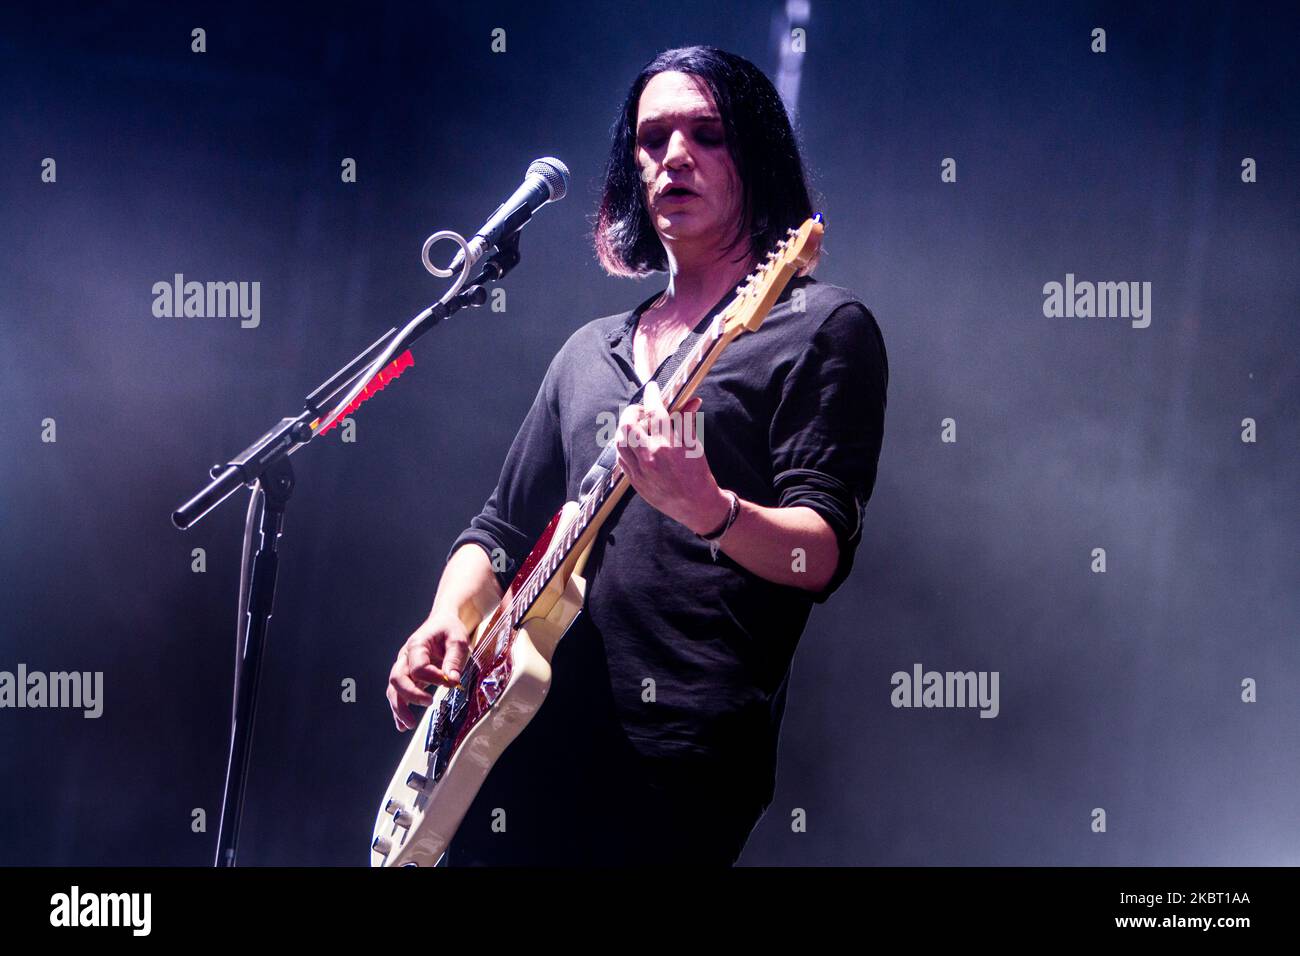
497,665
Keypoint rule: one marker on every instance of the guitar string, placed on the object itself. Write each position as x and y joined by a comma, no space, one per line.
691,362
602,489
591,501
607,484
676,381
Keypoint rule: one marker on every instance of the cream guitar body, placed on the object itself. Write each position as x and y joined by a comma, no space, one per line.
460,736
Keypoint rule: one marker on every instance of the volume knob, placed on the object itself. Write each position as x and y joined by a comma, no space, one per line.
401,816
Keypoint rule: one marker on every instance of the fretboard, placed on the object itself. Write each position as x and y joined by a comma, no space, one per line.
611,482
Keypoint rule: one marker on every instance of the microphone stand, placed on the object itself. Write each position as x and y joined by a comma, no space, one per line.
264,467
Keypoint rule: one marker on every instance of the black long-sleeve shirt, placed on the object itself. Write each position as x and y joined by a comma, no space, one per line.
685,657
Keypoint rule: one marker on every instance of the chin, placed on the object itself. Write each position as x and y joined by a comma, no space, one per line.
685,226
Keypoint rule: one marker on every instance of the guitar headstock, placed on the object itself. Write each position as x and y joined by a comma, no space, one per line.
761,288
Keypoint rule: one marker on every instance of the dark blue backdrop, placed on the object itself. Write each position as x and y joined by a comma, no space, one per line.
1119,690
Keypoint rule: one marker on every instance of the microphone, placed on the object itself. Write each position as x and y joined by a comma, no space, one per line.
547,180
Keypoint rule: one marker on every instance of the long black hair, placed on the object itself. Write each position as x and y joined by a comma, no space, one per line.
758,136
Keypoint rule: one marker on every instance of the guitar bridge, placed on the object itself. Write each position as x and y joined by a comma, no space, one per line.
446,724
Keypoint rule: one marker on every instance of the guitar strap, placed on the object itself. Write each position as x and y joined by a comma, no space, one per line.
667,367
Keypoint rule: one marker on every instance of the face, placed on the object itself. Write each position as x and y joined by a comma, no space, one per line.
693,192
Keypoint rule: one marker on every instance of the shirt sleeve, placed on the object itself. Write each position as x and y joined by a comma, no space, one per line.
529,491
828,426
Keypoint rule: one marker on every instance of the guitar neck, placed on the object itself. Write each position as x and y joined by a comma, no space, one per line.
743,313
605,494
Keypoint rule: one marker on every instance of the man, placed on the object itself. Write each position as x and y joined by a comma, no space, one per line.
657,741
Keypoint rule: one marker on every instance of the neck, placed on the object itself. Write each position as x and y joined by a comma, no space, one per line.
696,283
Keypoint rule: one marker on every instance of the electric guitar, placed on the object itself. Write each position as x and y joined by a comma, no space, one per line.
508,671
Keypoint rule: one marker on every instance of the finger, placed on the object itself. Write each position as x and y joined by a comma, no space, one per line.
627,461
453,663
419,664
432,674
656,419
411,693
635,436
417,654
631,415
654,400
403,719
686,422
408,691
437,675
624,437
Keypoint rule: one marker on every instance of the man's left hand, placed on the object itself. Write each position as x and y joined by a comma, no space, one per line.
663,456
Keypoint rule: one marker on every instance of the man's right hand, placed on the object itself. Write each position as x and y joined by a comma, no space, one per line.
434,654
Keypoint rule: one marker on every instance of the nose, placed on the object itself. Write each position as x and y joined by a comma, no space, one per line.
677,155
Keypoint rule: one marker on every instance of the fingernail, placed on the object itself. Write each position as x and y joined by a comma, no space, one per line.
454,674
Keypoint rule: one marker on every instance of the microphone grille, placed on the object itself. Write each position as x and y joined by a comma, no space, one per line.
554,172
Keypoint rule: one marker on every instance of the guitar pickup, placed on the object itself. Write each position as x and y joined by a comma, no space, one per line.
492,685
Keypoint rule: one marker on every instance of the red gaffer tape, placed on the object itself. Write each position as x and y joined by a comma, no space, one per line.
377,384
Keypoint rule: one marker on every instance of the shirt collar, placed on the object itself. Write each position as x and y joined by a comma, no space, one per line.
624,328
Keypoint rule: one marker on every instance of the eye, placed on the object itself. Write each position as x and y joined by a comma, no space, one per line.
651,138
710,136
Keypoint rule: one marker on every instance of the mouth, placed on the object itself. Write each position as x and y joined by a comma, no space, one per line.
677,194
